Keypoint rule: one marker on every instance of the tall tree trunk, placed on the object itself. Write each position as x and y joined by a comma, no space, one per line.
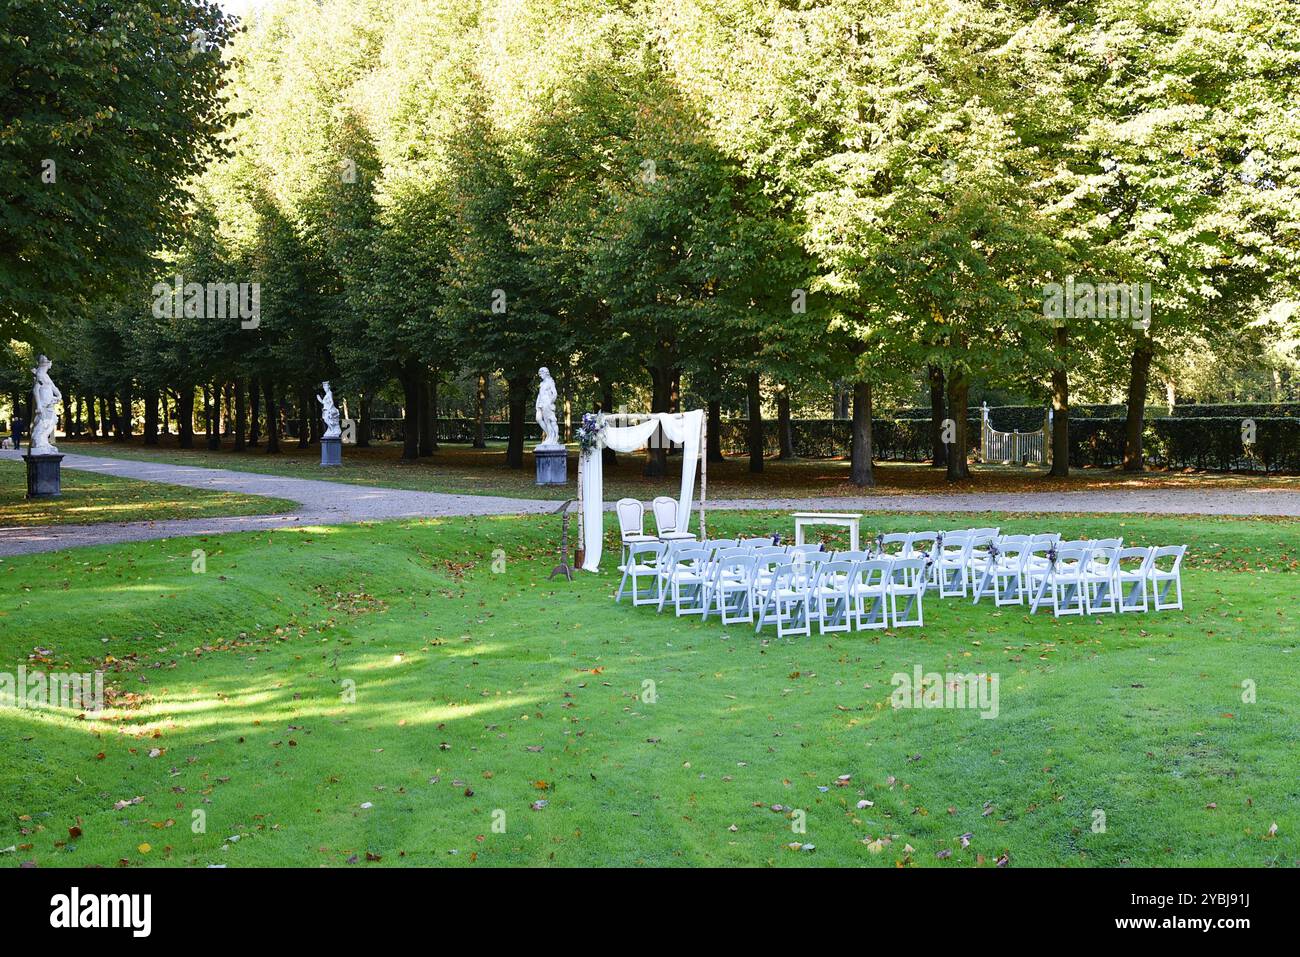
1060,408
433,410
241,416
938,412
426,424
841,400
409,376
784,427
755,398
315,424
861,472
480,411
661,397
305,399
185,416
124,416
214,416
269,389
714,451
1135,418
165,398
518,404
151,417
254,412
959,451
363,424
88,407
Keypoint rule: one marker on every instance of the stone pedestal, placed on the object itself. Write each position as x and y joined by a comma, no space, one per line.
552,465
331,451
44,476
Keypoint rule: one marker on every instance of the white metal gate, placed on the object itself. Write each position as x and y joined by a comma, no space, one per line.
1010,448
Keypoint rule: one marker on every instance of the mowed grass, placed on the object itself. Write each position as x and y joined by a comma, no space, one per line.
652,740
88,498
461,469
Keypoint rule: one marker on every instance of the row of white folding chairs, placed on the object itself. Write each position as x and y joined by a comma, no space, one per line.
1090,578
1087,576
946,567
655,560
788,586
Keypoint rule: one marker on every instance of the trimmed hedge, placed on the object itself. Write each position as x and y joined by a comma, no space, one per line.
1202,442
1216,443
1184,440
1243,410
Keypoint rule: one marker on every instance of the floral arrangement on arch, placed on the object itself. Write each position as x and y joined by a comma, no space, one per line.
589,432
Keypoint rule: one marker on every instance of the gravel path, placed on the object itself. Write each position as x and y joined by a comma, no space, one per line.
323,503
334,503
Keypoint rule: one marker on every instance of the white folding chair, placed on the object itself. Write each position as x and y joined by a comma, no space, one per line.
785,603
907,577
858,556
756,542
1034,567
977,552
1132,569
688,575
870,593
833,596
642,561
1099,580
666,557
921,544
732,585
631,523
893,545
808,548
715,545
951,564
665,512
1002,569
1068,594
766,561
926,545
1162,580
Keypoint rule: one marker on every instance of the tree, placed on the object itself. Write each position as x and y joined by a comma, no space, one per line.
106,110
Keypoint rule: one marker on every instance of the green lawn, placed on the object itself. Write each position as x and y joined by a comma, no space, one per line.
88,498
459,468
480,692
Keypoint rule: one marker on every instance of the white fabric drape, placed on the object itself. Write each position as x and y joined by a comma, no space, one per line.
682,427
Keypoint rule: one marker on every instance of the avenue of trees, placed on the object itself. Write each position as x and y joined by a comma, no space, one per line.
736,200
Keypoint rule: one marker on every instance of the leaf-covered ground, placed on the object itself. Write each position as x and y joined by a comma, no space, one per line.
88,498
500,718
459,468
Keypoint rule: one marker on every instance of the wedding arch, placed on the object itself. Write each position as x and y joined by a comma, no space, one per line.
601,432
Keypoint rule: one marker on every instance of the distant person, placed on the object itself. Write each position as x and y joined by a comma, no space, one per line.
18,425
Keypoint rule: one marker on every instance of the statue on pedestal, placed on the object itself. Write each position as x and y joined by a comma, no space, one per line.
45,404
329,412
546,396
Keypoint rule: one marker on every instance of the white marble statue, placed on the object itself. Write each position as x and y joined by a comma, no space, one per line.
546,396
329,412
45,401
